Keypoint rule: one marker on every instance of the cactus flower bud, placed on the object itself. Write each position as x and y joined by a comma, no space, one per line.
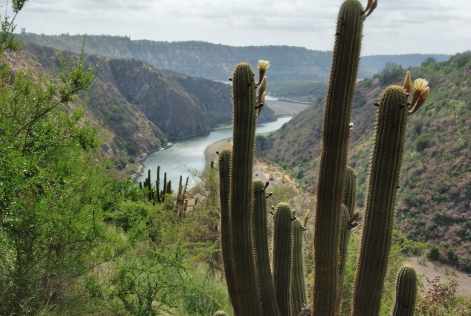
262,66
407,83
306,218
261,90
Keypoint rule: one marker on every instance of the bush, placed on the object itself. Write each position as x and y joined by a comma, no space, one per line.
422,142
434,253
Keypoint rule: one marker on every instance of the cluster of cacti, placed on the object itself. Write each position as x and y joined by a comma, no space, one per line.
158,196
243,218
253,289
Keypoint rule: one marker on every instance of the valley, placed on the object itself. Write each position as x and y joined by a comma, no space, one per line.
87,227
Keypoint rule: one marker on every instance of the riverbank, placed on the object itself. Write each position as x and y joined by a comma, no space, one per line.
282,108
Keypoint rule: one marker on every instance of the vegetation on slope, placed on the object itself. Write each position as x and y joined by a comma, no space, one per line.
74,241
435,191
379,62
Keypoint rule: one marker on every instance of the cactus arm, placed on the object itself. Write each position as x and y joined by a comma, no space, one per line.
406,292
282,256
350,196
184,189
165,186
298,287
264,275
241,192
335,135
157,185
344,240
381,198
227,255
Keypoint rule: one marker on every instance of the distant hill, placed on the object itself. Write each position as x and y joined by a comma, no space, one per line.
435,191
298,90
378,62
202,59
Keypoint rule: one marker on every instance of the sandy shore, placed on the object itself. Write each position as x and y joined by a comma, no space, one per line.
210,151
432,269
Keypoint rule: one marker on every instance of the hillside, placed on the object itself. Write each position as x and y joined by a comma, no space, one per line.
168,105
202,59
434,198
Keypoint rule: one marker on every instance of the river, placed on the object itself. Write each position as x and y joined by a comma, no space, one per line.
188,154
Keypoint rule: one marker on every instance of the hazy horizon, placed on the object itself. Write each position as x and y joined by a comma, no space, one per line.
399,27
267,45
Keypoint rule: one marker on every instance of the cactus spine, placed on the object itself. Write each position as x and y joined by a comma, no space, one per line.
381,198
282,256
265,280
241,191
297,286
335,135
406,292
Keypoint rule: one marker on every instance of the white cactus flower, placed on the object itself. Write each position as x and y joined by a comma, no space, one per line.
263,64
420,85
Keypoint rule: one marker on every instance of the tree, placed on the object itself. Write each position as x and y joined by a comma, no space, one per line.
53,191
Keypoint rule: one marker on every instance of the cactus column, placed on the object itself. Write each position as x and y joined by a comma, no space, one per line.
335,135
406,292
381,198
241,192
282,256
297,286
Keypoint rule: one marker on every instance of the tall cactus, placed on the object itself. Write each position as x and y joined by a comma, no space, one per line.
241,191
381,198
406,292
282,256
335,135
297,286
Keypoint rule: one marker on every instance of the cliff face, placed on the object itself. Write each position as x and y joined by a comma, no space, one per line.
160,98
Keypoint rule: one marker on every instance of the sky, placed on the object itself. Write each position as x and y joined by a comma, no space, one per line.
395,27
